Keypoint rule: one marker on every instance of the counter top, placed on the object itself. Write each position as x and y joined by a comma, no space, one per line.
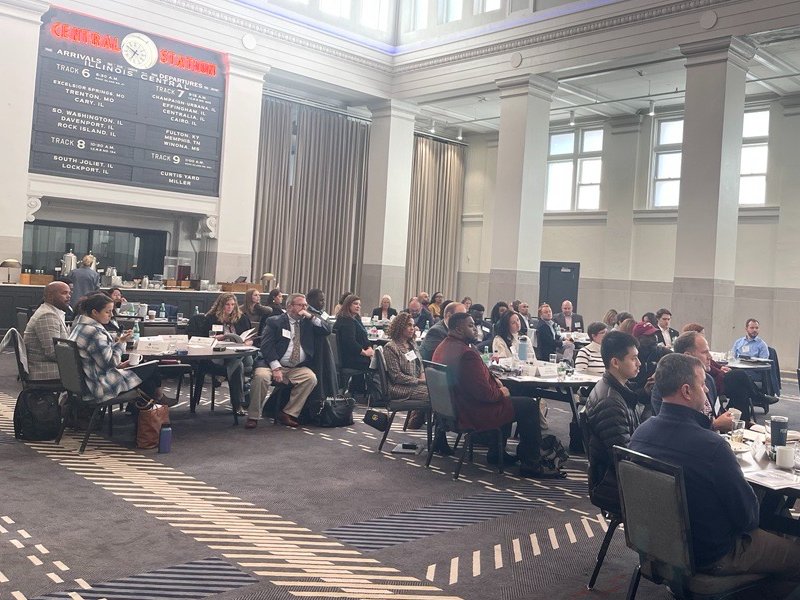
122,289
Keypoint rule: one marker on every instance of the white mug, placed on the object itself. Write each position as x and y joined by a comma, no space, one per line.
784,457
134,359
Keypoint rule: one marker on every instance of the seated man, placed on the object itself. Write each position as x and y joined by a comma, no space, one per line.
568,320
750,345
695,344
548,336
665,335
438,332
723,509
484,403
288,349
423,319
611,416
44,325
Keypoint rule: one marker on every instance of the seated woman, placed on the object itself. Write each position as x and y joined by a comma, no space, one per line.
355,351
226,312
116,296
385,311
404,372
101,352
506,338
467,302
435,307
589,359
497,311
275,302
252,307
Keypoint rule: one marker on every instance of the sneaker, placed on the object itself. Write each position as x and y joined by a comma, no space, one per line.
442,447
541,472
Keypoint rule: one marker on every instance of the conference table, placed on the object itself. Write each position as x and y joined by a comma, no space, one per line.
553,388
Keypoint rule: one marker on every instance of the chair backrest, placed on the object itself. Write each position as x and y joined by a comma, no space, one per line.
440,392
198,326
70,366
22,321
656,516
382,374
20,355
335,351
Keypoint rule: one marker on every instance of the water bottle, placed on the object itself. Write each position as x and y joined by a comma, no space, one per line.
522,348
135,333
162,311
486,358
165,439
196,311
561,371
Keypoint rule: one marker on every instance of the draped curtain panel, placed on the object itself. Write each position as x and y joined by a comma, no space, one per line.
434,222
310,208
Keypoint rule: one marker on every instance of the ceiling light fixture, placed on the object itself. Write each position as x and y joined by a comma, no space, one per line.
572,117
460,135
652,110
433,127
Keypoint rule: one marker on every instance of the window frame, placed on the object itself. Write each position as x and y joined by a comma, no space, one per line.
755,141
577,157
660,149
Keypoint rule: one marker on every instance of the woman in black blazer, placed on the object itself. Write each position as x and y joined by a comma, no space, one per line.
385,311
355,351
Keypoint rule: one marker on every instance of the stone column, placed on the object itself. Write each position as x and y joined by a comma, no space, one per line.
520,190
617,191
705,253
391,153
230,253
19,44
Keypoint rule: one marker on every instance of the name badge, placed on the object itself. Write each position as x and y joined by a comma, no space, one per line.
411,355
486,329
576,325
325,316
717,406
216,328
287,334
745,349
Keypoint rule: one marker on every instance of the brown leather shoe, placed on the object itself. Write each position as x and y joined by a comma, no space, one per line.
251,424
287,420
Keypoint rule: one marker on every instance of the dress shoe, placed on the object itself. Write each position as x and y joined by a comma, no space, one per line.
508,459
771,399
167,400
540,472
441,446
251,424
287,420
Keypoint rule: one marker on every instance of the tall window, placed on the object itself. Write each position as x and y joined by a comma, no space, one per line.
482,6
573,170
450,10
667,163
375,14
414,15
753,171
338,8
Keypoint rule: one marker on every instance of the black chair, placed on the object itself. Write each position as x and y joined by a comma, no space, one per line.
445,416
23,316
150,329
614,517
22,362
344,374
399,404
70,369
653,498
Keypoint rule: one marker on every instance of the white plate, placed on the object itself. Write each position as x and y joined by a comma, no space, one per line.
739,447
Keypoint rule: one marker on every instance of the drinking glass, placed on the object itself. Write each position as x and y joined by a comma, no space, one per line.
737,434
179,316
553,358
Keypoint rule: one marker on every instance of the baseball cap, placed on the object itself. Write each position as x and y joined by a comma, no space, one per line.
644,328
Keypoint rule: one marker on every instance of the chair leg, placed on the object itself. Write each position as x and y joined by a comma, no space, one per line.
501,450
429,427
458,439
601,555
634,584
95,412
388,428
436,437
470,445
213,391
178,387
408,418
67,406
110,413
467,448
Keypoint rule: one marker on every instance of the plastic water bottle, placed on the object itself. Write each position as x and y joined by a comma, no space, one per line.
522,348
196,311
135,333
486,357
162,311
165,439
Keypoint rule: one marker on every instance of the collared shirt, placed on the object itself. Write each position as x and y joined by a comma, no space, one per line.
286,358
568,322
752,347
721,504
667,337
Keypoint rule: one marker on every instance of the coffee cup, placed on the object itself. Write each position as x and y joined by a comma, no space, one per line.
784,457
134,359
736,414
780,429
151,314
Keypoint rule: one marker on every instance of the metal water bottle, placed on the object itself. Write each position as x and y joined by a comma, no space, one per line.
165,439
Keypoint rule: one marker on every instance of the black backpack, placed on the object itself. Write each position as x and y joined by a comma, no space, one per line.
37,415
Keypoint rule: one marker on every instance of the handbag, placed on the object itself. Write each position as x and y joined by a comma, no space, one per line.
336,411
376,419
149,425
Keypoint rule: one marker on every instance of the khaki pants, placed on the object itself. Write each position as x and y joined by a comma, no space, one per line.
303,382
761,552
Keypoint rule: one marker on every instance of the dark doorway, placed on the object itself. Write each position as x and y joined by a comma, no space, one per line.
558,282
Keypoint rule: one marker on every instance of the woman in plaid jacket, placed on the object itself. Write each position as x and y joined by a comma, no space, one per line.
101,352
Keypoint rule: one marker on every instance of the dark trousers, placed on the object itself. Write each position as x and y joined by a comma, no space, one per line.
526,414
151,379
742,392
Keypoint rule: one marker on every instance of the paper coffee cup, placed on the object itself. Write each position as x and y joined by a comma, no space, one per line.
151,314
735,413
784,457
134,359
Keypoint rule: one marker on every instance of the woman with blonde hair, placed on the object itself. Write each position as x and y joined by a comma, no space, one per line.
226,312
385,311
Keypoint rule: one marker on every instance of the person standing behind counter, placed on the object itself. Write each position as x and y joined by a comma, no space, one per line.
84,279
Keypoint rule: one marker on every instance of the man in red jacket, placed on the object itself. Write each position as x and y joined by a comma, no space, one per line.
485,403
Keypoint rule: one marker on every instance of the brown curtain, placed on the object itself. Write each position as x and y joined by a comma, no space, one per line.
310,208
434,222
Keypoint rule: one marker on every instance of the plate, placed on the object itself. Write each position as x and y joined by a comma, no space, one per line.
739,447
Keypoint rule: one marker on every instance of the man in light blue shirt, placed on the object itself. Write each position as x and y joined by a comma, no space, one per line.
750,346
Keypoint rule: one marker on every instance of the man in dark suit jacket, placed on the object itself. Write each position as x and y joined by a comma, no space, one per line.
666,334
438,332
323,364
548,341
422,317
483,402
287,347
568,320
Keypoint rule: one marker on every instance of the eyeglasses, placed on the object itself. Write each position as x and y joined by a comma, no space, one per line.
301,304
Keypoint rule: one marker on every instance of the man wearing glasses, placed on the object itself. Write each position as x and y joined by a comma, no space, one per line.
287,351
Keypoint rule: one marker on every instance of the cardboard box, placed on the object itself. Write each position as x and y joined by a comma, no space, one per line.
35,278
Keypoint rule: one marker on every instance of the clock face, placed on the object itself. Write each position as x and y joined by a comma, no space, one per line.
139,50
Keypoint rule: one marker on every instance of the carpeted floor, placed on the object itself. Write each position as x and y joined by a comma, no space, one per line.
282,513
